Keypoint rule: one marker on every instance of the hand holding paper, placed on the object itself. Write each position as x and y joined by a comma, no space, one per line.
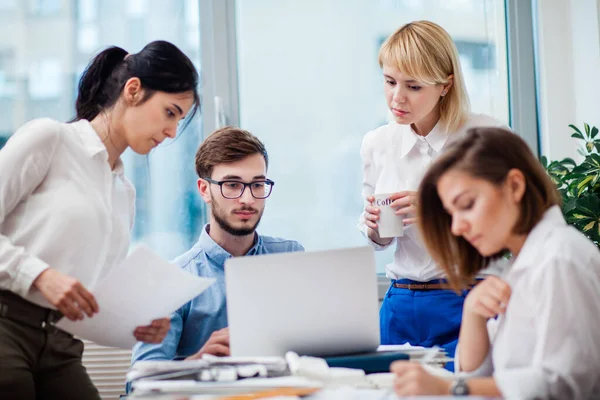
142,288
153,333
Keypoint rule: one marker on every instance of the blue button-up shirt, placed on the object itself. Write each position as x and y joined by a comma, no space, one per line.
194,322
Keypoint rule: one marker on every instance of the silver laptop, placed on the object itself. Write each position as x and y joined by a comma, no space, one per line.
314,303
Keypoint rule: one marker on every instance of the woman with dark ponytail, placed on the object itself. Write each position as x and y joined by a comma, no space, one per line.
66,211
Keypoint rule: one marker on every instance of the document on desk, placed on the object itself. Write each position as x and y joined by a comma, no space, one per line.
140,289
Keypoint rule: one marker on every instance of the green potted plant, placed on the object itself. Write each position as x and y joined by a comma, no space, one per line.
579,184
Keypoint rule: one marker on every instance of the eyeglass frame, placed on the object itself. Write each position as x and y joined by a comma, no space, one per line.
246,185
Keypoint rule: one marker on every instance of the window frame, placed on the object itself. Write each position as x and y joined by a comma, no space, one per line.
218,46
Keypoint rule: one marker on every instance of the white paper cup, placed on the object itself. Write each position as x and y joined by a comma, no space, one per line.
390,225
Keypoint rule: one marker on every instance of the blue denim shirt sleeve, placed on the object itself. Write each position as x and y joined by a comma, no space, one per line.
163,351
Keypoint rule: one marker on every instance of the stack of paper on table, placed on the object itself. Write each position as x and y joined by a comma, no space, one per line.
212,375
245,366
427,355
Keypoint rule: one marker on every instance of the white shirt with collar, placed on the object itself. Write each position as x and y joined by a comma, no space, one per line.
395,158
61,206
547,344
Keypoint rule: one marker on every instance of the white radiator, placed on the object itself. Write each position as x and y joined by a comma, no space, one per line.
107,367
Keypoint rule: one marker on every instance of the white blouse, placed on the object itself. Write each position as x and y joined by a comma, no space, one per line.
395,158
61,206
547,344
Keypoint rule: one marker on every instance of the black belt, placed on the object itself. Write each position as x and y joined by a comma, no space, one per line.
16,308
423,286
431,286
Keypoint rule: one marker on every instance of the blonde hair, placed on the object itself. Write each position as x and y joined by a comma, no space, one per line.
425,51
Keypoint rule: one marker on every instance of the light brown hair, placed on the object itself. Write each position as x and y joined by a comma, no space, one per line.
425,51
488,154
226,145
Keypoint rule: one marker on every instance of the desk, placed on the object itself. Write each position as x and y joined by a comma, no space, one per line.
342,393
344,386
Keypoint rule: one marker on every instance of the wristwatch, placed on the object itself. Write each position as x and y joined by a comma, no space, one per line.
459,387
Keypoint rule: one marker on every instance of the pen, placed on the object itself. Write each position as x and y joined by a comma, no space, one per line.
429,356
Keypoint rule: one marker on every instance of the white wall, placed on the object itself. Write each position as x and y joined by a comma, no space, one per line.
569,71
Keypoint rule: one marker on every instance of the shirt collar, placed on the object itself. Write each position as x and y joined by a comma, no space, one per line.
218,254
94,146
551,220
436,138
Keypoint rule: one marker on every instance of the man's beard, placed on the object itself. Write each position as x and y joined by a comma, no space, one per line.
227,227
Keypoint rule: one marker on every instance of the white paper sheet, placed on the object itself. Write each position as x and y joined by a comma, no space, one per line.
400,347
433,355
142,288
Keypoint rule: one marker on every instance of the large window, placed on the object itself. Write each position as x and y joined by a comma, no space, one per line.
310,88
42,55
168,211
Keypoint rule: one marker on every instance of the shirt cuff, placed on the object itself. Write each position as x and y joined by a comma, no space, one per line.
378,246
362,227
30,268
521,383
486,368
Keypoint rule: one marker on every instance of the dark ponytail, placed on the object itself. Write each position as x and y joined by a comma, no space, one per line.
92,97
160,66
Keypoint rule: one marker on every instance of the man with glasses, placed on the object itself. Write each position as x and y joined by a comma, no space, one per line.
232,168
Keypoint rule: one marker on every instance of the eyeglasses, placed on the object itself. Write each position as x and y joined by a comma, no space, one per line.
235,189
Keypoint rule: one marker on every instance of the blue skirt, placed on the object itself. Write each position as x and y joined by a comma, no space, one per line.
422,317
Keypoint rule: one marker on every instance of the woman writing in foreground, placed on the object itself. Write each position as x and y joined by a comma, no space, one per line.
533,332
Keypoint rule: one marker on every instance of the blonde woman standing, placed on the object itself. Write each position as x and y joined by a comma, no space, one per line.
425,92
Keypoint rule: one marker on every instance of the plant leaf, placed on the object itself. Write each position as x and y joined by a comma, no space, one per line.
579,216
576,129
590,205
594,132
569,205
572,189
578,136
589,146
589,166
589,226
586,127
582,185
